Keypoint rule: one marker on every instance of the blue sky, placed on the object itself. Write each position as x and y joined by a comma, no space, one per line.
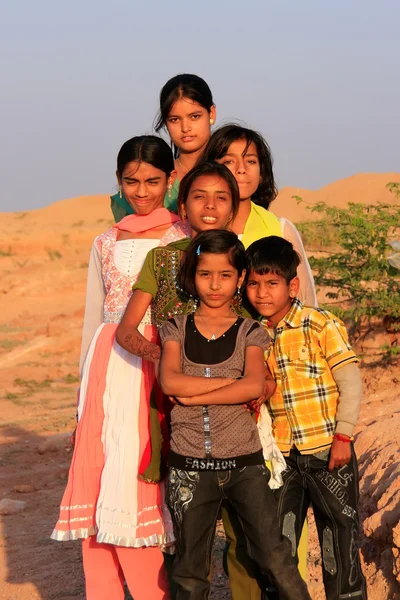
319,79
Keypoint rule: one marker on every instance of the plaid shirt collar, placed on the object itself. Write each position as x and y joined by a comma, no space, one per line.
292,317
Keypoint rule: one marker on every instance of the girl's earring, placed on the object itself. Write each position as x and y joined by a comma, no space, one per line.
211,121
169,188
236,302
120,191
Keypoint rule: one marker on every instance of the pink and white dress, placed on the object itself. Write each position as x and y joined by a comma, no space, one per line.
104,496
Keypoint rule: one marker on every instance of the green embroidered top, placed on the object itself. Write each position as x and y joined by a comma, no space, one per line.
158,277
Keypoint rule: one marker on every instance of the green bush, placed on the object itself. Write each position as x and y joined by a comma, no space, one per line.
353,246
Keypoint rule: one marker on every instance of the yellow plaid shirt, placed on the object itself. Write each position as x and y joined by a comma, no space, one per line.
307,346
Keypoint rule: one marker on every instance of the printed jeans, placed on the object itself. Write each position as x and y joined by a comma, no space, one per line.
334,498
194,499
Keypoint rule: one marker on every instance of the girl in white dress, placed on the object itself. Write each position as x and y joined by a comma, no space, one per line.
122,519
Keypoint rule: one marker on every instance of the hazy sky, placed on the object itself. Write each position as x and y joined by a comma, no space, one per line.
319,79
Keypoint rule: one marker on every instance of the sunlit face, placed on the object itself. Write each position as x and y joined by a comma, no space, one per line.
188,125
143,186
216,280
244,165
208,204
271,295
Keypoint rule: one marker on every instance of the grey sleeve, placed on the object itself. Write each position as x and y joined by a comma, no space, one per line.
169,331
95,296
348,381
258,337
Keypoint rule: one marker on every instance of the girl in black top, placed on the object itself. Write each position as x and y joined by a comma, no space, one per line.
215,450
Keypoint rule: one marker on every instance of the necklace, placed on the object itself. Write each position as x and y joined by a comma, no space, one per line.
183,166
214,336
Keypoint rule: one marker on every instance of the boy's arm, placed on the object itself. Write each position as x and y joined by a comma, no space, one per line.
250,386
175,383
348,381
269,390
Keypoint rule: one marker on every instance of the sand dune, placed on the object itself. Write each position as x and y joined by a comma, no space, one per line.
367,188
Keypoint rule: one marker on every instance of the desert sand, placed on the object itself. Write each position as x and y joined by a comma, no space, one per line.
43,260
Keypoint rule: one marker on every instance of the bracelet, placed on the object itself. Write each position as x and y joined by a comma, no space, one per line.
341,438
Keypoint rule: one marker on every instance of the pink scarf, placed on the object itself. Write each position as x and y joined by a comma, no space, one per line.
140,223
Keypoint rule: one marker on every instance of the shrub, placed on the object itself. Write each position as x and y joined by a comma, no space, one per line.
353,266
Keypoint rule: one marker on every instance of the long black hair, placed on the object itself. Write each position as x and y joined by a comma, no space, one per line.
185,85
146,148
214,241
218,146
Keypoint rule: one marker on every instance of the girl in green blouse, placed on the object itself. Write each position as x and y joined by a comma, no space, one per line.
208,199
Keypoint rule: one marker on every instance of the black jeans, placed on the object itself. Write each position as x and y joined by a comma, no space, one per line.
334,498
194,499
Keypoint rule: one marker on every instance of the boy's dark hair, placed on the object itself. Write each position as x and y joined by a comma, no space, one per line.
215,241
209,168
218,146
272,254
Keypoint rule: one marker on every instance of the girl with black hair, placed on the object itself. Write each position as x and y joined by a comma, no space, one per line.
248,156
208,199
216,454
122,520
187,111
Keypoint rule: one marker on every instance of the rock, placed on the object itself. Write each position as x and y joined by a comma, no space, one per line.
377,448
396,535
11,507
24,488
55,443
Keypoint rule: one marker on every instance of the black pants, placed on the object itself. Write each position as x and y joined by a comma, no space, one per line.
334,498
194,499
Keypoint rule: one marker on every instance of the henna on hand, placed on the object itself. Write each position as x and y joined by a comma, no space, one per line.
141,347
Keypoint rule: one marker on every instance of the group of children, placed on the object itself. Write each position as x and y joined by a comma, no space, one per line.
215,448
263,387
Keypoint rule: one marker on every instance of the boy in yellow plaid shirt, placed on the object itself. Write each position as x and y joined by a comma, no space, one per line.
314,411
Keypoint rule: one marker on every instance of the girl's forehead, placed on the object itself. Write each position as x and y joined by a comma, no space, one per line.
216,261
242,147
184,105
211,181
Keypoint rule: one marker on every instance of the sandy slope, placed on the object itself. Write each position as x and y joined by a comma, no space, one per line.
43,265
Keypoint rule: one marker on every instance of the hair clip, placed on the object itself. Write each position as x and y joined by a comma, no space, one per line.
198,250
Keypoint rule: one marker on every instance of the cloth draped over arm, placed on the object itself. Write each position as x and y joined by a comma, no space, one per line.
307,292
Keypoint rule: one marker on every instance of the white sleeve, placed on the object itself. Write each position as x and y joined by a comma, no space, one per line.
307,292
95,296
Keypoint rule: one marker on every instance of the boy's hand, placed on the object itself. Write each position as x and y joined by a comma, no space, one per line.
340,454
